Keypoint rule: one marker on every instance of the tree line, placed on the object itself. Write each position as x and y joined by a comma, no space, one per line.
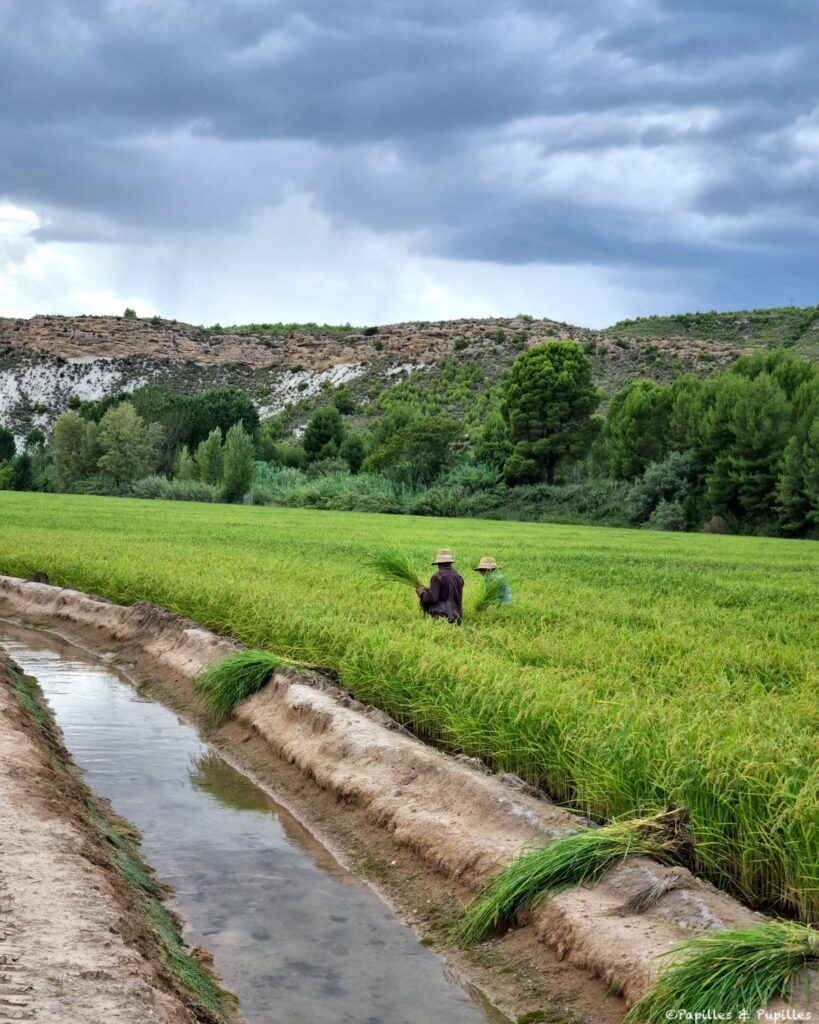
736,451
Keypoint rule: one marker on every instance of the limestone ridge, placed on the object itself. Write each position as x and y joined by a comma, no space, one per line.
45,360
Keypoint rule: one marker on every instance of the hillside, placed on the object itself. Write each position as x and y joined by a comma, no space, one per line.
47,359
787,327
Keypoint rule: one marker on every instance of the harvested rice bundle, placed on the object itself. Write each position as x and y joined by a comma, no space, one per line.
731,971
494,589
565,864
240,675
395,568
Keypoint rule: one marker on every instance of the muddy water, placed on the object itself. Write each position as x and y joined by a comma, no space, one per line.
297,937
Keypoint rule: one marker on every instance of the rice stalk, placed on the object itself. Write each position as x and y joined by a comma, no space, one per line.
223,685
730,971
648,897
564,863
393,567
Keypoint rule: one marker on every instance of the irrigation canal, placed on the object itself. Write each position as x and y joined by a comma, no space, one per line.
294,935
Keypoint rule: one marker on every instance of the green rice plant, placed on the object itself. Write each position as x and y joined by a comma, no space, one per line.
492,590
565,863
730,971
393,567
223,685
598,684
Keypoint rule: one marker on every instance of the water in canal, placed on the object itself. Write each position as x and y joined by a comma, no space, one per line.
297,937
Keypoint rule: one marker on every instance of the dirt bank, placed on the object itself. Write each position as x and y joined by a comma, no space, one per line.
75,940
427,827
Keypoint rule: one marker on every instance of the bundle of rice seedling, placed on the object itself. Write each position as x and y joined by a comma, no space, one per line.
395,568
492,590
240,675
564,864
730,971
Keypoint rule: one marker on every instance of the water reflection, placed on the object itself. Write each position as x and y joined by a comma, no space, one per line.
293,934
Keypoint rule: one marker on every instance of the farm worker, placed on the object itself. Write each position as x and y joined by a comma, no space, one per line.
489,569
443,598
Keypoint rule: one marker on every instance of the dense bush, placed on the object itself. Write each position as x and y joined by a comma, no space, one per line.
668,481
668,515
174,490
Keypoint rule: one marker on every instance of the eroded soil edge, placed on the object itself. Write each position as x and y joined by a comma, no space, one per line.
83,932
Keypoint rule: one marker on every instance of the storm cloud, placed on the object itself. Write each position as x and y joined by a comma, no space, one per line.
343,159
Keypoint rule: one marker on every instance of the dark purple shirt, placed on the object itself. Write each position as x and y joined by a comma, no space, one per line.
443,598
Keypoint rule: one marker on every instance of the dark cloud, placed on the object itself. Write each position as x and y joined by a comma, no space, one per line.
627,135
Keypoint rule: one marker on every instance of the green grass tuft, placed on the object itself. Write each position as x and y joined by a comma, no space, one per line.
392,567
729,971
240,675
564,864
205,994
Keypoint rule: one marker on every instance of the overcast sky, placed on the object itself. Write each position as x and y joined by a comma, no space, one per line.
382,160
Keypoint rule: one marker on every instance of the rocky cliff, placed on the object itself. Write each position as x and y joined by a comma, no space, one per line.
47,359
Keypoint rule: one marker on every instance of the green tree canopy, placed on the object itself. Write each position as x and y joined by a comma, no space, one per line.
492,446
209,457
324,434
75,450
184,468
747,434
419,452
343,400
635,434
353,450
156,404
130,447
7,446
237,471
548,401
220,407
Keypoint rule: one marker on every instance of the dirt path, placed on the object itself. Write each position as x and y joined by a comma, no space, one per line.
74,944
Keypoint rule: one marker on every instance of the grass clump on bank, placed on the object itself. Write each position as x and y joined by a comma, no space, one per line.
207,995
240,675
730,971
565,863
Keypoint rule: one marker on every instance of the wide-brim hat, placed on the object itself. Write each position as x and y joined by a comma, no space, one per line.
486,563
442,557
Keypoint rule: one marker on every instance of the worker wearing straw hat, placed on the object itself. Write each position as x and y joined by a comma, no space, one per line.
443,598
489,568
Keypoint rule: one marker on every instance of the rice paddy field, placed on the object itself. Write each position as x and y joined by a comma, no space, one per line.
632,671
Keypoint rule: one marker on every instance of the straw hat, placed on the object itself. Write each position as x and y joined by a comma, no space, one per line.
443,557
486,563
